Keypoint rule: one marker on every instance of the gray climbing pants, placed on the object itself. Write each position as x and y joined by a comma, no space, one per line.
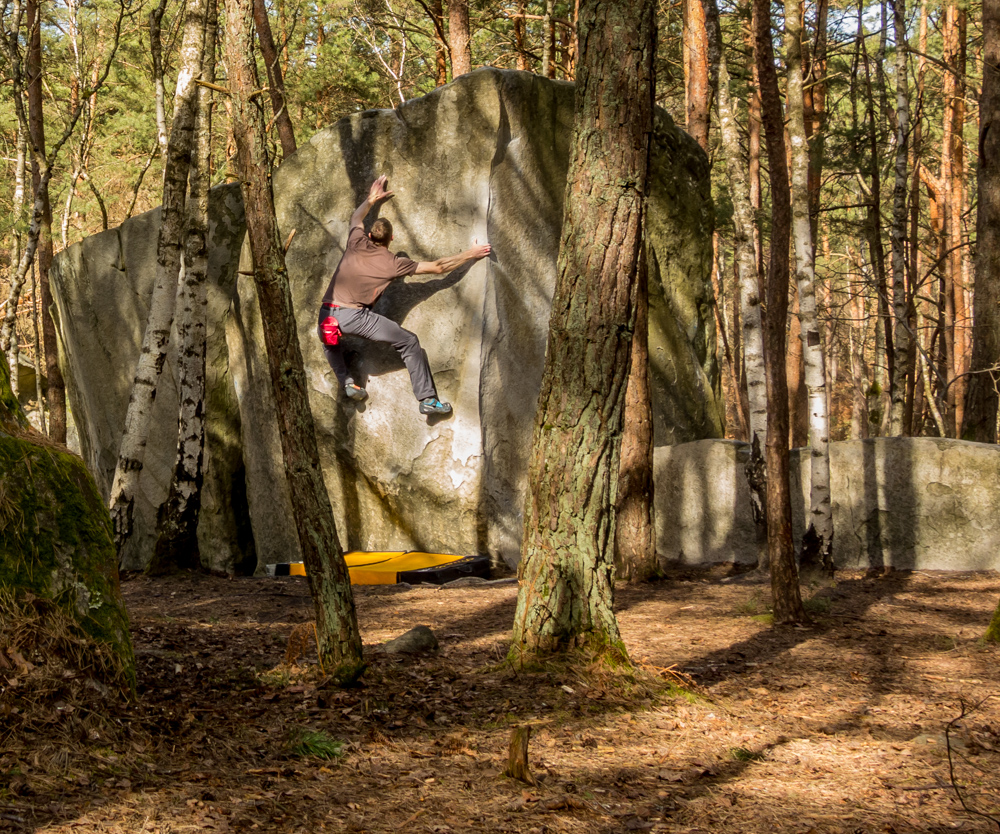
368,325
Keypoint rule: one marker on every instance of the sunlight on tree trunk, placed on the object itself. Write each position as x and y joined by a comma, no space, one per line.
337,632
565,599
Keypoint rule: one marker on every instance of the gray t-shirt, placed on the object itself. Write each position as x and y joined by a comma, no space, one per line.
364,272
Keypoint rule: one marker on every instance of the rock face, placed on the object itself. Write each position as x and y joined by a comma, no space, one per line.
904,503
102,288
483,158
55,537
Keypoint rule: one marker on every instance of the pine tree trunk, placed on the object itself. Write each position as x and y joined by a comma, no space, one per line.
459,37
177,522
156,339
817,542
697,90
635,538
981,401
787,599
566,571
336,622
441,42
276,83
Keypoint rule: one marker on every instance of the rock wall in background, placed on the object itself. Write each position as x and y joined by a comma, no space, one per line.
898,502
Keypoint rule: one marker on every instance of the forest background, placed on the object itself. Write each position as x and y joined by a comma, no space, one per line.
325,61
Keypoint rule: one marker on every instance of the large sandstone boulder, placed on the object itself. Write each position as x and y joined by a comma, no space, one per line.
901,502
102,288
57,559
483,158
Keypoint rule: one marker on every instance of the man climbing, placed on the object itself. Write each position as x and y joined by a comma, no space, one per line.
365,270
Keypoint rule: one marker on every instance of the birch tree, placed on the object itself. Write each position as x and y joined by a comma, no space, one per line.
817,541
177,524
565,599
746,267
156,338
338,638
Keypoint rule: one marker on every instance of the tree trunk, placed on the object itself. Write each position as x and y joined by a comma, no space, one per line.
156,52
177,523
566,571
275,81
459,37
993,630
635,537
336,622
436,8
900,300
981,401
697,90
40,183
817,542
787,598
161,306
746,266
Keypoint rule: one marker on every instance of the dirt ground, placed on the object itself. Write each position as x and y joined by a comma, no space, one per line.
843,726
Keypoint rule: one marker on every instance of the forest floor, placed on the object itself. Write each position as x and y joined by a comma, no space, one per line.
842,726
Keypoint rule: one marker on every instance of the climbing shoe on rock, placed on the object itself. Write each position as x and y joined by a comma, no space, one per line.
432,405
355,392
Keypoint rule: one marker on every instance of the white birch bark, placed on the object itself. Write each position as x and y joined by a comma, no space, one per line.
818,538
177,542
161,307
8,330
901,333
746,262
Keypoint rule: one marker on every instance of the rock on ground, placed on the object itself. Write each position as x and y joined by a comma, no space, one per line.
55,541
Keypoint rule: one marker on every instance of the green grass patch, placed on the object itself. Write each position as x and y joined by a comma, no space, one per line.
316,744
743,754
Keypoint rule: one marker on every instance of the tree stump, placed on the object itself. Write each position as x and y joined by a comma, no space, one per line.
517,756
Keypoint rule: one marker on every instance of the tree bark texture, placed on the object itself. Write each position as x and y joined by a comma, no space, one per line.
156,338
40,183
177,524
817,545
981,401
746,267
275,81
459,37
697,90
336,621
635,537
156,53
565,599
900,300
786,595
993,630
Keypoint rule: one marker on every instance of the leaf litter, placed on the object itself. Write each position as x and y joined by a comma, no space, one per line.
725,725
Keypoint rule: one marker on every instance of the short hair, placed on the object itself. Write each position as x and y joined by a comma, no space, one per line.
381,232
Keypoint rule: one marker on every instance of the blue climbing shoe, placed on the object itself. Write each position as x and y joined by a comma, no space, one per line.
355,392
432,405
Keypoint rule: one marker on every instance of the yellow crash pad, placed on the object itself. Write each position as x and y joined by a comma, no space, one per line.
381,567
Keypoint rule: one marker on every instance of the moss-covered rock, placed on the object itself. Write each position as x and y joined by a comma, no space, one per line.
55,538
